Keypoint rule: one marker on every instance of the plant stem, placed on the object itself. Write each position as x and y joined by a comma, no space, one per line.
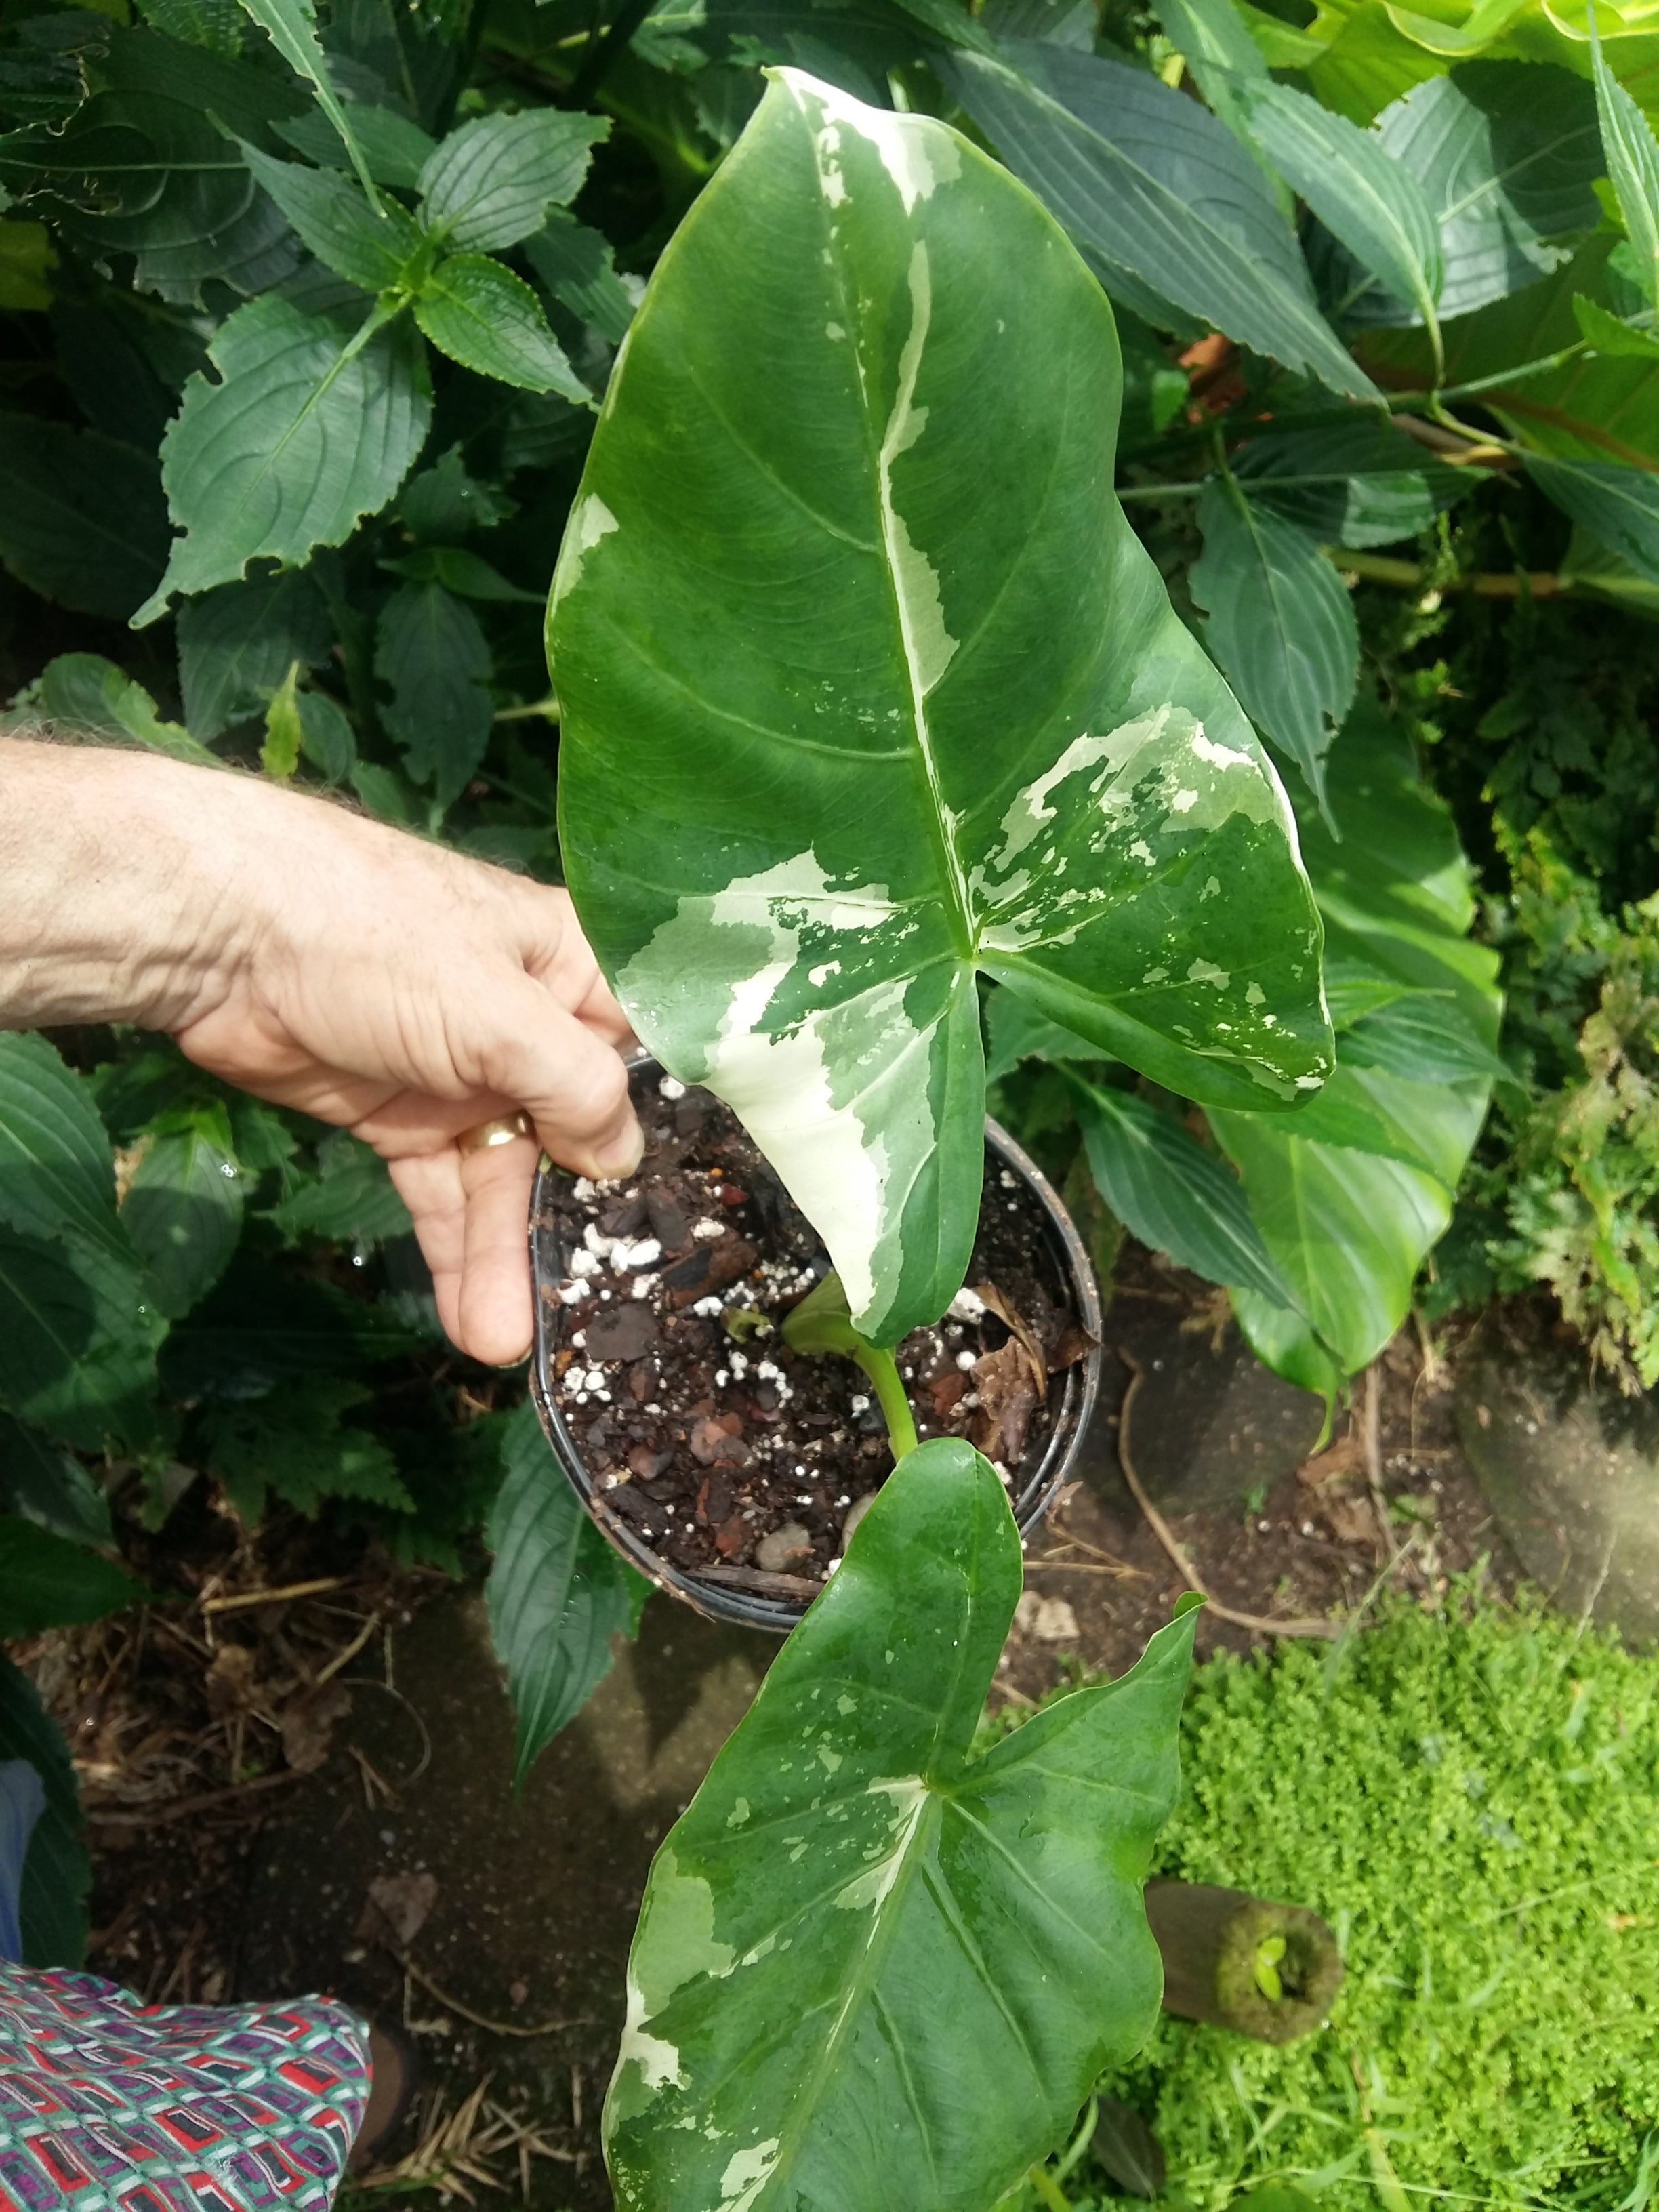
1485,583
1049,2190
881,1369
546,709
1162,490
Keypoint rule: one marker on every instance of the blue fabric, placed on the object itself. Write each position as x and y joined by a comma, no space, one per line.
22,1801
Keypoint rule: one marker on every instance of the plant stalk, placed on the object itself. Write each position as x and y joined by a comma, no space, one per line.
881,1369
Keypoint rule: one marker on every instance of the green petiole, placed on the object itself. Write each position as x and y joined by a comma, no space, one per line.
823,1322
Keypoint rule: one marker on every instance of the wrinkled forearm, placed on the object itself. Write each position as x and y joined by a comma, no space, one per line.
115,872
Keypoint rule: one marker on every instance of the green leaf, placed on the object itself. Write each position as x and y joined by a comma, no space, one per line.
1361,483
1221,55
460,571
264,1326
291,27
214,24
1505,154
1608,334
295,1443
430,649
279,756
1015,1030
1632,159
478,313
310,427
57,1172
1284,1341
1619,506
81,517
1153,183
858,777
236,644
1363,194
394,149
352,1201
574,263
870,1967
1174,1195
79,1332
183,1208
87,695
1428,1039
46,1581
557,1592
326,737
57,1873
369,242
50,1486
491,183
1281,625
444,502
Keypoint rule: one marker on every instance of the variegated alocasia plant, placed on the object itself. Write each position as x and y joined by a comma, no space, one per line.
868,687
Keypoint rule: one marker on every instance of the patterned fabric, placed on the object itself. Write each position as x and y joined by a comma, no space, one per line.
109,2106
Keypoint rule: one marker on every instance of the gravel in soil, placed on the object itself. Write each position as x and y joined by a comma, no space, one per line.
729,1455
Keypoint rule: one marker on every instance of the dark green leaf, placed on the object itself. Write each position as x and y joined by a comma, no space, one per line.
490,183
369,244
183,1208
557,1592
1361,483
431,651
295,1443
46,1581
1617,505
82,518
326,737
310,427
1285,1342
79,1331
1281,625
464,573
214,24
1172,1194
1153,183
394,149
291,27
1016,1032
574,263
1127,2148
235,645
56,1874
834,856
263,1325
57,1172
949,20
1608,335
871,1968
444,502
84,695
1212,39
1428,1039
352,1200
478,313
50,1486
1632,159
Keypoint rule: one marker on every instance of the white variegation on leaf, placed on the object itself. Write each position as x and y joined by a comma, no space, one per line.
868,687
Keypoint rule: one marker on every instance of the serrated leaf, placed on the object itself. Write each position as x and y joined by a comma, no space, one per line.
557,1592
859,781
871,1968
46,1582
57,1873
326,737
291,27
490,183
478,313
297,1444
354,1199
1632,159
85,693
394,149
1214,43
1619,506
1281,625
56,1171
279,756
264,1326
369,243
444,503
1608,334
236,643
79,1332
429,648
83,520
574,263
1175,1196
1362,193
1155,183
50,1486
183,1208
310,427
1359,484
466,573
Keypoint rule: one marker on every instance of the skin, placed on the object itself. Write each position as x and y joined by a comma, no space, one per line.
329,963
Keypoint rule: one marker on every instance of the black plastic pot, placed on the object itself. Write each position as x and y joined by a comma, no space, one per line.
748,1608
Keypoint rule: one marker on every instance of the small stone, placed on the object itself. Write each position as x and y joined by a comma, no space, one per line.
859,1508
784,1548
626,1332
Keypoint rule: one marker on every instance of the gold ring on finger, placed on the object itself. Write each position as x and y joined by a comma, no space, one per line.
507,1130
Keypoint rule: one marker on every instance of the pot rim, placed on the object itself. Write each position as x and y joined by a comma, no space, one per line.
750,1609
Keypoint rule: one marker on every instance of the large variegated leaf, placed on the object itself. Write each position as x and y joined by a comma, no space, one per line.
867,685
873,1974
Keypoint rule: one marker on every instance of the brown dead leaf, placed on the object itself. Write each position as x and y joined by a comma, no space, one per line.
308,1725
1350,1519
944,1391
1341,1458
398,1906
1007,1398
229,1680
1025,1335
1073,1343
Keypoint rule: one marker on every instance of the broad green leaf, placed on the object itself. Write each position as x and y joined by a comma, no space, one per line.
1287,1342
28,259
326,737
858,777
871,1968
1174,1195
478,313
1589,563
81,517
352,1200
1281,625
369,242
1632,159
46,1582
1428,1039
183,1208
431,651
1220,55
1619,506
79,1331
57,1873
1359,191
1153,183
394,149
50,1486
1607,334
297,1444
575,265
466,573
491,183
1015,1030
310,427
291,27
1360,482
214,24
952,21
557,1592
57,1172
1505,154
264,1326
84,693
236,644
444,503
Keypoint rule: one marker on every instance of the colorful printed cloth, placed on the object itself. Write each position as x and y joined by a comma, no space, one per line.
109,2106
